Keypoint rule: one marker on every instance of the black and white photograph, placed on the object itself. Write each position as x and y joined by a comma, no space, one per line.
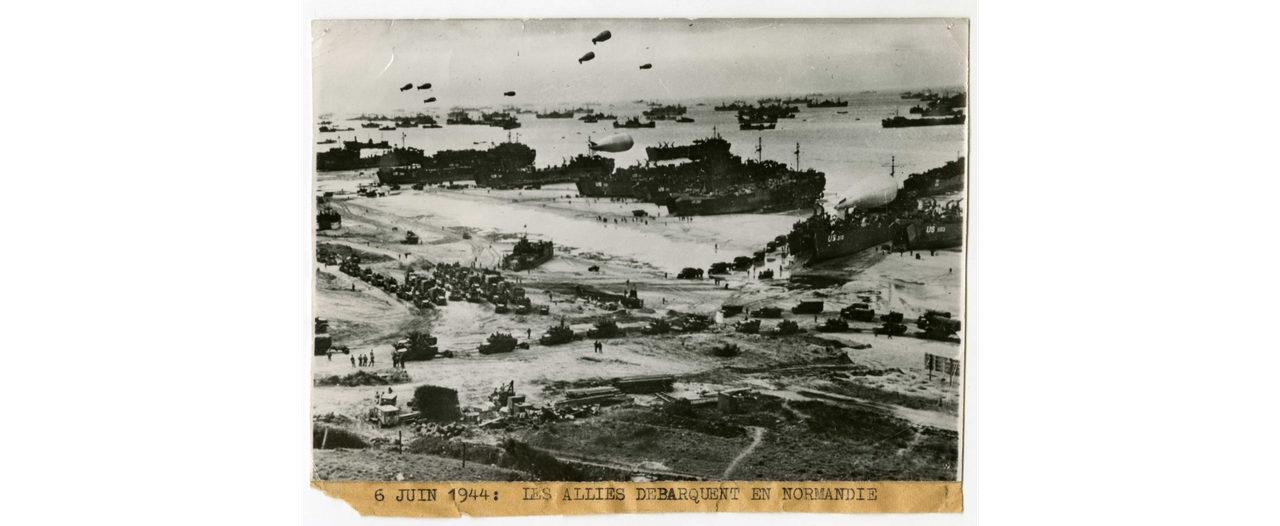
639,250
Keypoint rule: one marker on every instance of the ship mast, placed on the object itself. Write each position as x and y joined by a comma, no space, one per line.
797,157
759,148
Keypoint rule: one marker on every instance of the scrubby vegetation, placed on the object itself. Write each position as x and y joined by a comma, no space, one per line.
437,404
326,437
726,350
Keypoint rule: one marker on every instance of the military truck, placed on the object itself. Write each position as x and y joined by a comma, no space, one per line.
690,273
322,339
853,312
768,312
938,327
807,307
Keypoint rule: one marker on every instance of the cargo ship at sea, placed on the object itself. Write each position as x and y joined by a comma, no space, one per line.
933,111
566,114
568,172
828,103
940,106
460,117
904,122
634,122
500,119
352,156
911,220
767,113
662,113
460,165
733,106
528,254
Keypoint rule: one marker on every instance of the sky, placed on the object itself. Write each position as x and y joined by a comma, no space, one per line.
359,65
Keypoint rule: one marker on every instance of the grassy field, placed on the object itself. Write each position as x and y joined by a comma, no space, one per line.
625,438
839,443
370,464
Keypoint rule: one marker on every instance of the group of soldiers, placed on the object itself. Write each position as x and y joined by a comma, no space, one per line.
362,360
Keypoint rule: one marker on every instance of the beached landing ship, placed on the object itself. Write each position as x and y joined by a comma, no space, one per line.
527,254
460,165
823,237
909,221
351,157
568,172
715,183
606,187
760,186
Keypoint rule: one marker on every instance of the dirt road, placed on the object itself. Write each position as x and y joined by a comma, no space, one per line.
755,441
